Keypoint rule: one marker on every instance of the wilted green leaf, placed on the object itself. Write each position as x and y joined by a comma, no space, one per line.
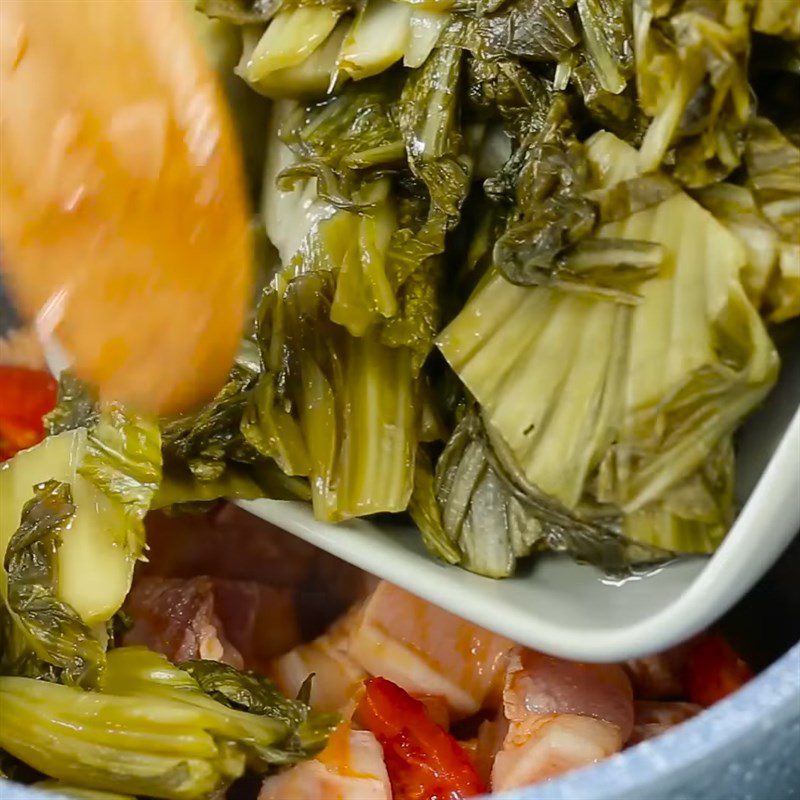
41,635
251,692
691,72
76,406
150,730
494,520
539,30
331,405
424,510
207,438
123,449
568,384
551,239
773,174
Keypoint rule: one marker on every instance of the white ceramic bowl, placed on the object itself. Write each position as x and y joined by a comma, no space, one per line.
574,611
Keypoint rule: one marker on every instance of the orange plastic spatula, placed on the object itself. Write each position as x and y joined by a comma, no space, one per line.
123,221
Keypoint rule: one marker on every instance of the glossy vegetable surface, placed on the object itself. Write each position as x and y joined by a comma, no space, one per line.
424,762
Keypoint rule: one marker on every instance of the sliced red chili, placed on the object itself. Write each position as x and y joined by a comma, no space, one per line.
423,760
26,395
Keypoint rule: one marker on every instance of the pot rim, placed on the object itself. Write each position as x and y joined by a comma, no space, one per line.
765,703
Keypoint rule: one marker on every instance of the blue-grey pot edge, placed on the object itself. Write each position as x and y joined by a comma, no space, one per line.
755,731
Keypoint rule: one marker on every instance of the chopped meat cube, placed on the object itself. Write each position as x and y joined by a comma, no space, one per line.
541,684
351,767
426,650
652,718
337,677
238,622
177,618
559,715
547,745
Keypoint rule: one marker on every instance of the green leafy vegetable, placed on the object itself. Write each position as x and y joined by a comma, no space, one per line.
765,216
309,78
151,729
123,450
212,453
96,559
251,692
41,634
691,73
480,515
77,406
551,236
607,42
424,510
246,708
207,438
353,131
532,29
332,406
493,517
773,172
568,384
377,39
507,88
290,38
736,208
238,482
425,30
608,360
123,459
291,213
428,118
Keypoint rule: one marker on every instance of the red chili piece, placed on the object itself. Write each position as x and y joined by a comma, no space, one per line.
714,670
26,395
423,760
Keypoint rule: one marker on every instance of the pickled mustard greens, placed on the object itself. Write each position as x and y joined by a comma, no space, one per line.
207,455
151,729
43,635
520,260
337,408
587,208
110,460
521,254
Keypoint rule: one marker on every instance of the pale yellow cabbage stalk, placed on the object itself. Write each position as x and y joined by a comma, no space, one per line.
594,401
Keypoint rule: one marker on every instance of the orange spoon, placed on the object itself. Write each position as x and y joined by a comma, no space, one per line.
123,218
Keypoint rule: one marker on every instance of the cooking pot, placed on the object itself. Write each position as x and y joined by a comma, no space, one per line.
746,747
